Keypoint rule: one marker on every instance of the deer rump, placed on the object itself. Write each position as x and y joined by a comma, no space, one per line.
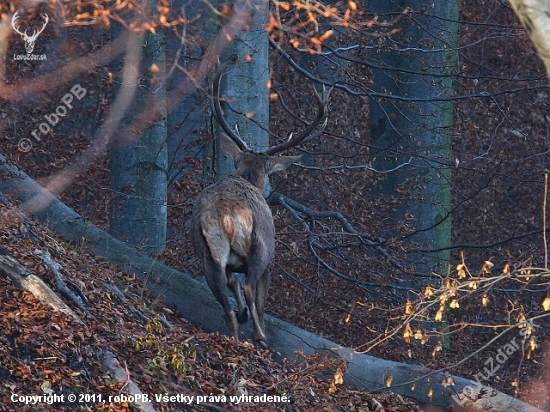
230,214
232,231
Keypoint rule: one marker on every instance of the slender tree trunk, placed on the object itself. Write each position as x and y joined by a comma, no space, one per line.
139,163
245,86
418,67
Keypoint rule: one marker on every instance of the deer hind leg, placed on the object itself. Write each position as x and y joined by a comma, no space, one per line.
235,286
217,282
261,296
251,295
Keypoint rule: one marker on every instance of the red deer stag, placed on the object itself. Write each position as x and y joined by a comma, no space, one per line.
232,227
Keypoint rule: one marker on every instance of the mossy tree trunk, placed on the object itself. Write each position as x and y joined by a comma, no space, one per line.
139,160
411,128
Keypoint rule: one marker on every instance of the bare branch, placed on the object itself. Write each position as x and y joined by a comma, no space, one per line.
288,203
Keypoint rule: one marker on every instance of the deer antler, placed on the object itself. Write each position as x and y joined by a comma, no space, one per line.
322,102
35,33
217,107
13,19
46,20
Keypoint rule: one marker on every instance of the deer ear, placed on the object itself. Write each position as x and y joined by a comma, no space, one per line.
281,163
230,148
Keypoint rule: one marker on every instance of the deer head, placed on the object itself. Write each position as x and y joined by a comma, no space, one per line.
232,227
29,40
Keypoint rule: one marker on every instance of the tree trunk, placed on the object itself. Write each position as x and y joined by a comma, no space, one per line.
245,86
139,164
415,122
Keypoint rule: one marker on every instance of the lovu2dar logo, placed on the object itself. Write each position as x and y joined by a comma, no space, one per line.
29,39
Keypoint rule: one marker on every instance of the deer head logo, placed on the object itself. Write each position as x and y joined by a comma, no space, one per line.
29,40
